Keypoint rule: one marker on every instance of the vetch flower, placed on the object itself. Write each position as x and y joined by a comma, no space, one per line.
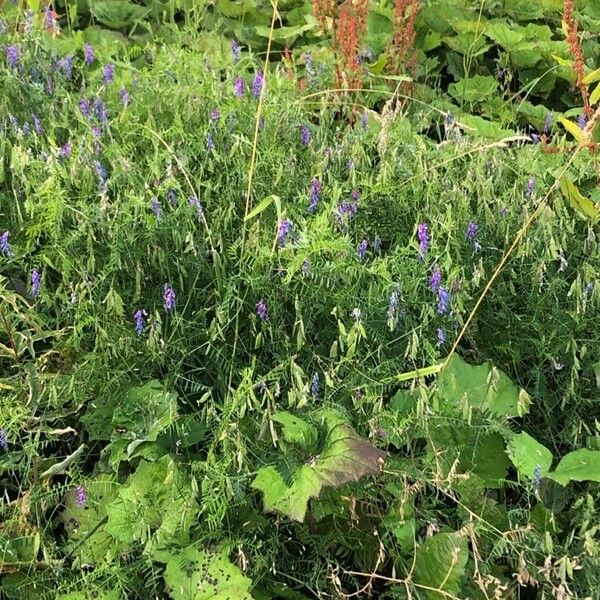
530,187
306,266
537,477
169,297
80,496
315,385
108,73
37,125
5,244
441,337
443,300
239,87
65,151
36,280
315,195
155,207
215,115
102,175
236,51
84,107
362,248
139,319
423,235
124,96
88,54
364,120
13,55
503,211
393,305
66,65
471,232
305,135
284,229
348,209
210,141
172,197
3,440
261,311
582,121
258,84
193,201
100,110
548,121
435,280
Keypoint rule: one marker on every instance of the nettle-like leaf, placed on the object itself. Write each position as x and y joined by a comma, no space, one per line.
344,457
140,415
526,454
440,563
580,465
156,505
85,524
461,385
193,574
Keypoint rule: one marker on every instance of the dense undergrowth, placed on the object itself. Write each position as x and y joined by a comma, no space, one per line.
210,393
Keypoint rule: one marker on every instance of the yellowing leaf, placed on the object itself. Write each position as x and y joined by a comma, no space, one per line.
592,76
572,128
577,200
595,95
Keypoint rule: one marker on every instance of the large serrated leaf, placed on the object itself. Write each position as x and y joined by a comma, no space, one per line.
193,574
526,453
580,465
482,386
440,564
117,14
345,457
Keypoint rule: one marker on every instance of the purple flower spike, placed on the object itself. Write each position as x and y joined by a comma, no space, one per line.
5,244
315,385
548,123
530,187
283,231
65,151
139,319
156,208
443,300
37,124
80,496
88,54
13,56
66,65
258,84
315,195
169,297
362,249
215,115
3,440
108,73
582,121
261,311
100,110
84,107
435,280
441,337
305,135
193,201
236,51
124,96
36,280
348,209
423,235
239,87
172,197
210,141
471,232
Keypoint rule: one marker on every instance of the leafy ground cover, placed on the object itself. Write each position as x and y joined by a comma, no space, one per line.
229,308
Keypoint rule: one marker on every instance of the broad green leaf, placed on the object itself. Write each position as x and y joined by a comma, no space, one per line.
579,202
117,14
192,574
344,457
508,37
595,95
440,563
85,525
296,430
473,89
526,453
580,465
156,504
480,127
482,386
96,593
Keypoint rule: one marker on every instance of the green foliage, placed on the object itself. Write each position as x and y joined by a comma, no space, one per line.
342,457
222,448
